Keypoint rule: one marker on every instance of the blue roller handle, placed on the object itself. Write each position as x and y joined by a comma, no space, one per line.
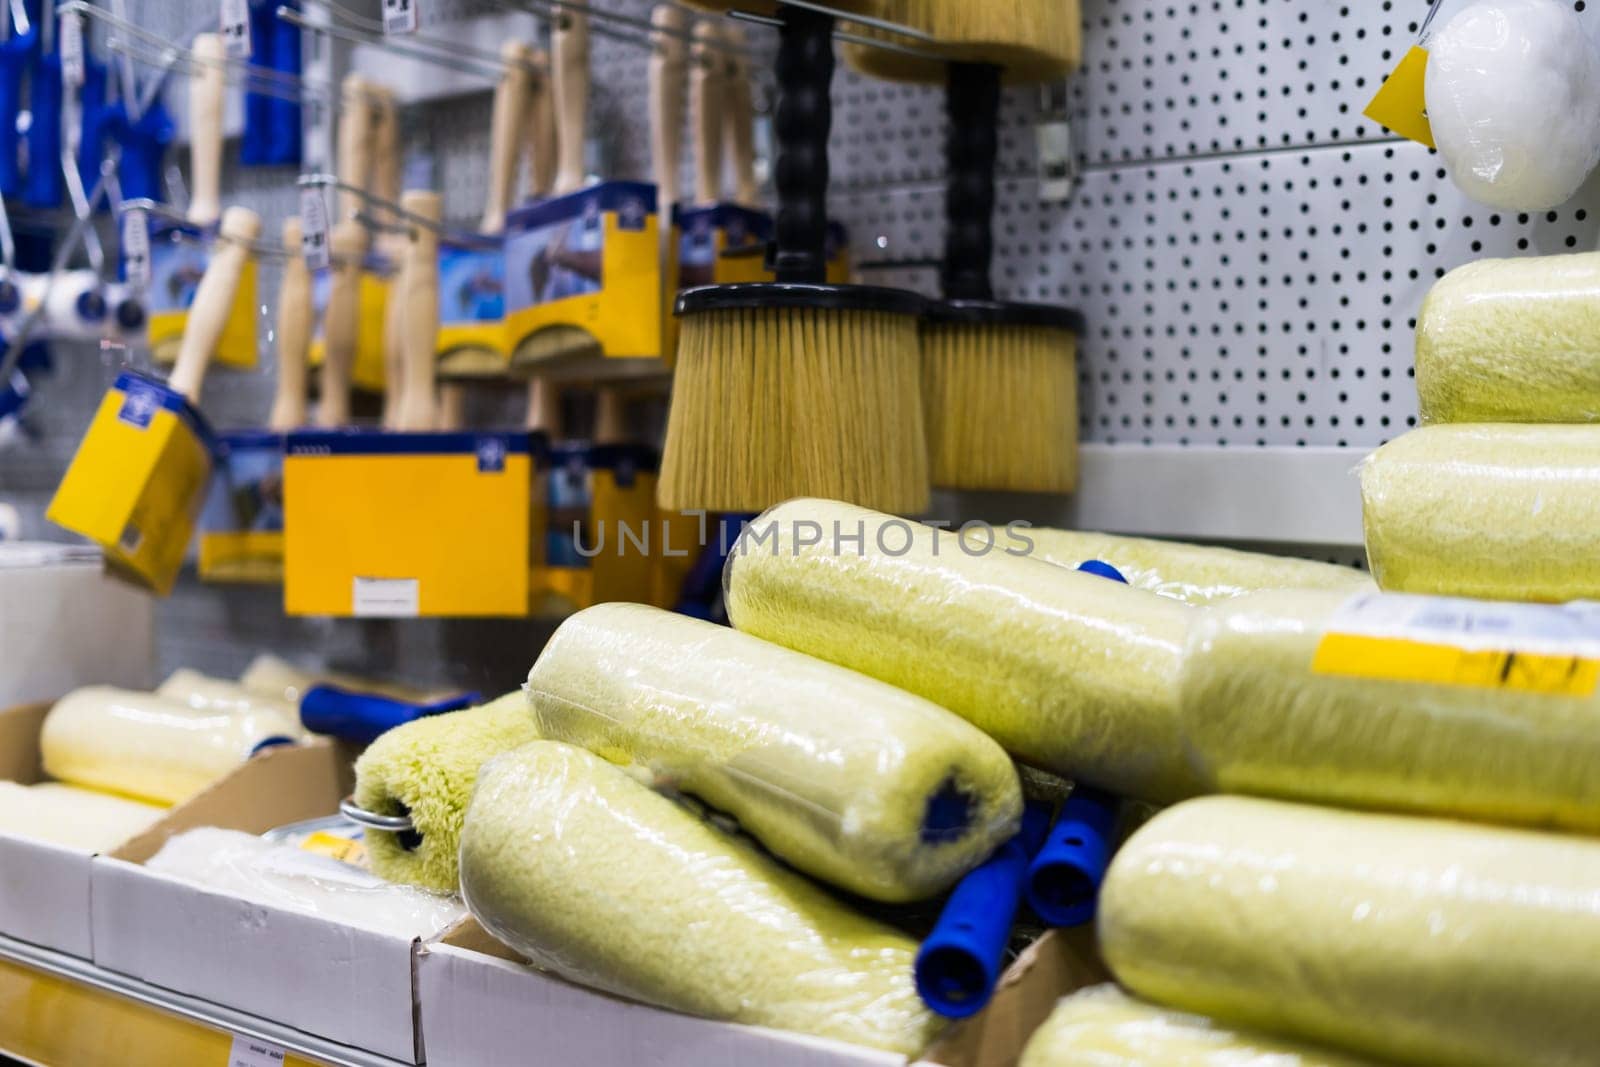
960,962
1064,878
255,147
1102,569
284,123
144,149
44,185
14,56
361,717
100,121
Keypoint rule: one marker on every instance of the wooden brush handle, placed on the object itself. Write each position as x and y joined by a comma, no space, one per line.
972,104
394,326
668,64
452,407
739,120
213,301
801,123
706,103
541,129
294,334
355,135
544,408
506,127
419,294
569,40
341,322
386,161
610,417
206,87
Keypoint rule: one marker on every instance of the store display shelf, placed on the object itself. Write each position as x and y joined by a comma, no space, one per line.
55,1009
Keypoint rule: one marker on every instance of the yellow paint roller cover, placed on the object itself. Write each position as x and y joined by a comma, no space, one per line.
589,874
1502,512
1512,340
1195,574
853,781
1070,672
76,818
1102,1026
1275,706
1415,940
427,769
149,747
205,693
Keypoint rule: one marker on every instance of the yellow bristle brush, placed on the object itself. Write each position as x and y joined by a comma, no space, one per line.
1030,40
797,387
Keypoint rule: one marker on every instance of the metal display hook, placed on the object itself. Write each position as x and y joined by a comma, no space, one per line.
851,38
551,9
454,61
455,236
186,230
374,28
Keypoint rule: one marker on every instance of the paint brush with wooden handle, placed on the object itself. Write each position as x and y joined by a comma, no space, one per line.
293,334
391,247
213,301
206,88
539,141
707,97
419,296
341,322
739,119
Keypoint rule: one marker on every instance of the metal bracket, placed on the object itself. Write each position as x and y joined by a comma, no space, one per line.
1058,162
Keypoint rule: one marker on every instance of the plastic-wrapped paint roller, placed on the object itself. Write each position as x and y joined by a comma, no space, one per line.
1504,512
426,770
961,960
674,912
272,676
1416,940
205,693
73,817
1512,340
1070,672
292,878
1102,1026
852,781
1066,872
1195,574
149,747
1513,98
1397,702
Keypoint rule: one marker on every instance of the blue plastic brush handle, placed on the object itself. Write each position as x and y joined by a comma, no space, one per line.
44,185
361,717
284,126
255,147
14,55
100,121
144,149
960,961
1064,878
1102,569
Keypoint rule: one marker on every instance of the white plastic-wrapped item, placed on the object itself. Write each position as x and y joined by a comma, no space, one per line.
588,873
67,815
853,781
284,876
272,676
1419,941
1070,672
1501,512
1512,340
1194,574
204,693
148,747
1513,97
1102,1026
1406,703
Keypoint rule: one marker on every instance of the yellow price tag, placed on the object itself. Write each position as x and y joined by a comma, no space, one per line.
345,849
1400,103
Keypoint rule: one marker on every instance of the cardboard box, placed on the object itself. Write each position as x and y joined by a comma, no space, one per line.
482,1005
335,981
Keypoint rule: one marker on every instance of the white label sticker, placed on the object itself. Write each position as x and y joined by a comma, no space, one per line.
235,18
136,247
72,50
385,598
248,1052
313,227
1474,625
400,16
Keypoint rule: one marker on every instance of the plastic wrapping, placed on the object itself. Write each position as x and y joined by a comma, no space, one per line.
274,677
1068,671
853,781
1512,340
1275,707
426,769
1416,940
1501,512
148,747
589,874
1194,574
205,693
1513,98
76,818
284,876
1102,1026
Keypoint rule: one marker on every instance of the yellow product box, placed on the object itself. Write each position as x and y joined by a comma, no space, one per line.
395,525
583,278
178,257
472,308
600,534
725,244
377,275
138,480
241,524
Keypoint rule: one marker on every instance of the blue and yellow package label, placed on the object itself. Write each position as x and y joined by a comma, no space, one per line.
178,257
722,244
583,274
137,482
241,524
600,535
472,308
377,276
391,525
